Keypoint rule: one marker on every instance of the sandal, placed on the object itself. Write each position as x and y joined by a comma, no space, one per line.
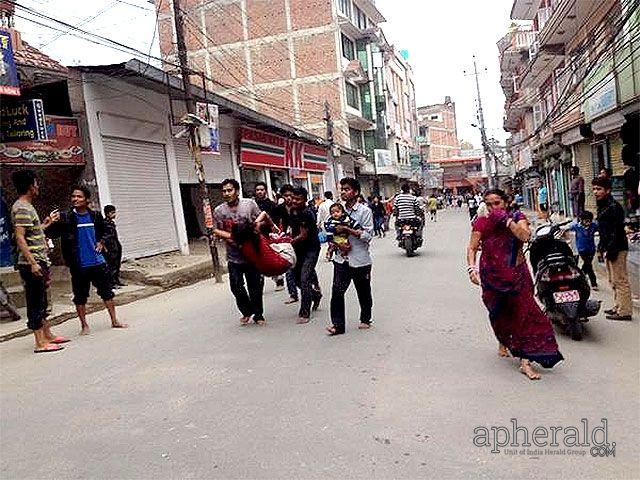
58,340
290,301
364,326
49,347
333,331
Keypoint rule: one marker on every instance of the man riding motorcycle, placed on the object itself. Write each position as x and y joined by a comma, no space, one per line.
407,207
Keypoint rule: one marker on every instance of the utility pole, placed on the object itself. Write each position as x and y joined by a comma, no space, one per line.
194,143
488,152
330,157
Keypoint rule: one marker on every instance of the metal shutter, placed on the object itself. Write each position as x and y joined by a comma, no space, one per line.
139,185
216,168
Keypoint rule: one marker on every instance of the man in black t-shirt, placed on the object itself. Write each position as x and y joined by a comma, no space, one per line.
307,246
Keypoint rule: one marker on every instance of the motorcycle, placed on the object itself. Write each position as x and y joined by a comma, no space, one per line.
561,286
408,237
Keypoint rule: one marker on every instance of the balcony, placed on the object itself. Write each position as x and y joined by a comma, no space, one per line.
524,9
567,17
541,66
356,73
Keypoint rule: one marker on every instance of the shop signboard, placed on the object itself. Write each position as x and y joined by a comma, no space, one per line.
385,164
209,113
601,101
9,82
22,120
63,146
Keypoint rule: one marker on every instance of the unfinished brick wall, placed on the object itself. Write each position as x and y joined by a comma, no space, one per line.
310,13
315,54
266,18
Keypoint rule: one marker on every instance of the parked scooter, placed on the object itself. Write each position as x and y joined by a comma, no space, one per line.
561,286
408,237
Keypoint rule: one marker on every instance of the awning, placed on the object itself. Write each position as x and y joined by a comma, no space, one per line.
571,136
608,124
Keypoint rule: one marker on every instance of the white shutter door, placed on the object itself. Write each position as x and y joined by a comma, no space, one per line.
216,167
139,185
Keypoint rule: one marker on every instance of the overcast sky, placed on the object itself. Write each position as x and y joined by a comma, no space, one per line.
440,35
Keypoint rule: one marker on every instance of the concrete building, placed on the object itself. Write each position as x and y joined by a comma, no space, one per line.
572,81
286,58
437,126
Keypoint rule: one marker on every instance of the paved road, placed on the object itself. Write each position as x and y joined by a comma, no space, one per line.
187,393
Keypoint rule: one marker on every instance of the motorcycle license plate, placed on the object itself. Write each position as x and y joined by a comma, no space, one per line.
566,297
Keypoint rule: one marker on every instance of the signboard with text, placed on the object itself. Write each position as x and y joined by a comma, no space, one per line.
9,82
63,146
22,120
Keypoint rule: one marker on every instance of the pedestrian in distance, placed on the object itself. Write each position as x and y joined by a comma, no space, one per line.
585,229
323,209
356,264
543,201
613,248
232,212
33,260
81,231
576,192
112,245
306,244
520,326
432,206
379,212
269,206
472,205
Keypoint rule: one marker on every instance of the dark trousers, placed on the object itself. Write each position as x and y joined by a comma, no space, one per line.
248,303
587,266
291,284
113,264
35,291
307,279
83,277
343,274
577,204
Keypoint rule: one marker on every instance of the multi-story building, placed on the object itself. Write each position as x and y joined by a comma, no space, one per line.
287,58
437,126
572,82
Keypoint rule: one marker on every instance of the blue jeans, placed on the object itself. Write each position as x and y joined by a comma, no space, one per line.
291,284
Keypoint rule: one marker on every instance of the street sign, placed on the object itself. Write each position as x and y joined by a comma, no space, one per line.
9,82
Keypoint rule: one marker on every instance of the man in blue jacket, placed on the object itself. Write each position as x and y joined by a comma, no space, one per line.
81,231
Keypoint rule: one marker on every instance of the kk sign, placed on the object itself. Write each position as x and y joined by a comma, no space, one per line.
22,120
9,84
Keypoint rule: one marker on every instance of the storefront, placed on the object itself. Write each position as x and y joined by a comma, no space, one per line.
275,160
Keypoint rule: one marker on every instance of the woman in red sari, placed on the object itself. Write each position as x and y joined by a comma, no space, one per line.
522,329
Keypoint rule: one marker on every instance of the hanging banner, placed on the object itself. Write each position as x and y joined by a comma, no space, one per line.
209,112
22,120
63,145
9,83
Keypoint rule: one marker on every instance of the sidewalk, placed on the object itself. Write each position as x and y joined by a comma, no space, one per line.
144,277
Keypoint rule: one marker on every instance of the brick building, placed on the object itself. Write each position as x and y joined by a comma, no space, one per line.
437,125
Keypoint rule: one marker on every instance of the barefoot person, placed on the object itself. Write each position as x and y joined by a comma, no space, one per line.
507,289
81,231
235,211
354,265
33,261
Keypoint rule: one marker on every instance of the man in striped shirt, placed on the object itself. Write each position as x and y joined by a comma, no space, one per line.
406,207
33,260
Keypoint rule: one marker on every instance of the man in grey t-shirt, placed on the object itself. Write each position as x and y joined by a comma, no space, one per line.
233,211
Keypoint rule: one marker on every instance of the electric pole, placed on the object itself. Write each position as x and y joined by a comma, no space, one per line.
194,143
488,152
330,157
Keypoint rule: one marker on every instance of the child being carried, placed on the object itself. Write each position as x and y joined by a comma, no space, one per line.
339,241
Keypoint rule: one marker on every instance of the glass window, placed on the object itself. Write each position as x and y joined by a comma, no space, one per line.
249,177
345,7
352,96
278,178
360,18
356,139
348,48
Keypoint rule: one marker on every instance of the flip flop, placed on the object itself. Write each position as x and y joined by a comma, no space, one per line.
49,348
58,340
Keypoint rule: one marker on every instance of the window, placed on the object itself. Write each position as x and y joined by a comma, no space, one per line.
345,7
356,139
537,115
360,18
352,96
348,48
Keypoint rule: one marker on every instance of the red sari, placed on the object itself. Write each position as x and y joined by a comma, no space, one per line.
507,291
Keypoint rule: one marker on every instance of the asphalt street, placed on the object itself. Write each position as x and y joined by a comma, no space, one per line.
187,392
